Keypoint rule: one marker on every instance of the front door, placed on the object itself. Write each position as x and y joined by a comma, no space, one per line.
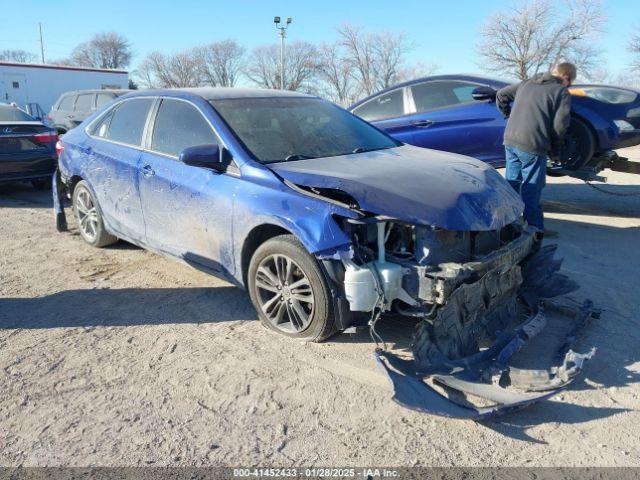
446,117
187,210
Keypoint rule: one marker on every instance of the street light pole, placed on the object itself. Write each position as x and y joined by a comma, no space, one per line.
282,31
41,42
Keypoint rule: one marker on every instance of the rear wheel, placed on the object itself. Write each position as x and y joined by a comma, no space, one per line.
579,144
289,290
88,217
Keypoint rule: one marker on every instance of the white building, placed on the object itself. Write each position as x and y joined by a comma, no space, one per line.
25,83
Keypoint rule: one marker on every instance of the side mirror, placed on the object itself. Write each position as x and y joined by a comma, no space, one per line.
210,156
483,93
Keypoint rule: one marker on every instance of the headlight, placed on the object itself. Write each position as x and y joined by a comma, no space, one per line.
605,94
623,125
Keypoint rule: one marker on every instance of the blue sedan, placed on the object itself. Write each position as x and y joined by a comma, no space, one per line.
457,113
327,221
285,194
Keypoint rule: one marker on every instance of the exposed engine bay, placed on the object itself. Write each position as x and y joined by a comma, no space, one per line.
479,297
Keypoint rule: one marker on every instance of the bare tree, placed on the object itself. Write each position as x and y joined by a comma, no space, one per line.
104,50
170,71
301,66
21,56
417,70
535,35
376,58
335,74
634,47
221,62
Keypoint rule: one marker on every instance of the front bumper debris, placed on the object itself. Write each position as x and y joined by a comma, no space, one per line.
486,383
473,358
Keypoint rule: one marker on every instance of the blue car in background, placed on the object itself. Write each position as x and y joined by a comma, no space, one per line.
457,113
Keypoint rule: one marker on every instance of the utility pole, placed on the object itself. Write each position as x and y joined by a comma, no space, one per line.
41,43
282,31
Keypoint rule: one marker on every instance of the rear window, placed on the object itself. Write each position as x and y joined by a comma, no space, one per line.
66,103
384,106
84,102
13,114
127,123
103,99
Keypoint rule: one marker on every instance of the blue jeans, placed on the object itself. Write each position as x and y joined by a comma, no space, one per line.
526,172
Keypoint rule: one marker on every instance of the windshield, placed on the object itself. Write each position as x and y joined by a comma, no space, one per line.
9,113
281,129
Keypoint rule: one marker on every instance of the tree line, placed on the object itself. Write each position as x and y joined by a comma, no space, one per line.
519,42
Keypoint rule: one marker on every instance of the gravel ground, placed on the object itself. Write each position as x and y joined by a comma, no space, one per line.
118,357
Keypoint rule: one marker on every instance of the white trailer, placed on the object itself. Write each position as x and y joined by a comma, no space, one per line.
25,83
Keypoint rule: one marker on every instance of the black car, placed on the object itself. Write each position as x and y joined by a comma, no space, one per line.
27,148
73,107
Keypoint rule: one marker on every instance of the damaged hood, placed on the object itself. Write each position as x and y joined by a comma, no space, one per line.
416,185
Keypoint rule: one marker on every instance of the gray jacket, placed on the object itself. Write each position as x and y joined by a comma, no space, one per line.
539,116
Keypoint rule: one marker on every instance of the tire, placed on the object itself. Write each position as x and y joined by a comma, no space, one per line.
284,310
41,184
89,218
580,145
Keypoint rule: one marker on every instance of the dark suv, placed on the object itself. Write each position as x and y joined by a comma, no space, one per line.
73,107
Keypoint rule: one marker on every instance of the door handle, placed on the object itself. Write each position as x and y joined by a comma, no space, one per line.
147,171
422,123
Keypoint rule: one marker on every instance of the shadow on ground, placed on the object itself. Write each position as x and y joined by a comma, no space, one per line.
124,307
23,195
581,199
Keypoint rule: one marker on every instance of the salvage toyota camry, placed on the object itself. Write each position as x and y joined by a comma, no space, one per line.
326,220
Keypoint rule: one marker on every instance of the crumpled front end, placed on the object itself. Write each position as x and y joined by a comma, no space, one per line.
480,299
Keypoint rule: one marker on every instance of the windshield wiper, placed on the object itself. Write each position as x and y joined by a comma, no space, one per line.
296,156
362,149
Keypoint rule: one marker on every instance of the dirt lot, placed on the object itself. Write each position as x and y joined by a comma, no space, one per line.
120,357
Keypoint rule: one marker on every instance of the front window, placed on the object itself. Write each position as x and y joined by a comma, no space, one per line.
441,93
179,125
286,129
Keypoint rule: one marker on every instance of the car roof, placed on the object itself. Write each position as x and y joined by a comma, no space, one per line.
219,93
469,77
97,90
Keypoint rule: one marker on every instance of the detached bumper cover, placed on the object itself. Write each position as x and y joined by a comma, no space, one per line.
451,376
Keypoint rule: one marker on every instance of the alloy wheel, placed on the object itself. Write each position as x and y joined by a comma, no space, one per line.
284,293
87,215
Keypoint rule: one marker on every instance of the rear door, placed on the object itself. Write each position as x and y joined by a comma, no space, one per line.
446,117
113,155
387,112
187,210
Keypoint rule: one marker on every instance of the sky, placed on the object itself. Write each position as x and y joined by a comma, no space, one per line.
445,33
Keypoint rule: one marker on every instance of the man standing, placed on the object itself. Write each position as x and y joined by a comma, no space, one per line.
539,111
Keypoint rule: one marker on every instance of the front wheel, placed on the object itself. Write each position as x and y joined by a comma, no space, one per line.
579,145
289,290
88,217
